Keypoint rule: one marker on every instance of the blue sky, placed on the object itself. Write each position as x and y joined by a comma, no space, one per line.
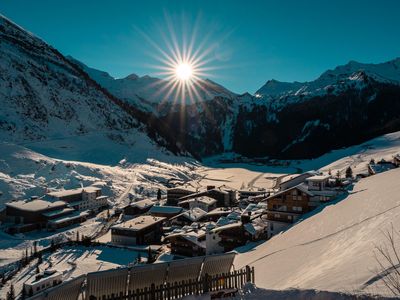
250,41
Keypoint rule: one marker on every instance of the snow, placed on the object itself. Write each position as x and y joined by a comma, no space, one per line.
279,94
332,249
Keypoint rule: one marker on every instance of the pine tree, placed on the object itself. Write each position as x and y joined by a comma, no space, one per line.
349,172
11,293
77,236
159,194
23,293
37,269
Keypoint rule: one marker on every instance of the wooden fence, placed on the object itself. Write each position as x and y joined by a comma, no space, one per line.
227,283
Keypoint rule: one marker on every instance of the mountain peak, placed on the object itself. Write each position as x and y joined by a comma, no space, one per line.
132,77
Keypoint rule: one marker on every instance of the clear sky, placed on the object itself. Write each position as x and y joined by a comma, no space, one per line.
250,41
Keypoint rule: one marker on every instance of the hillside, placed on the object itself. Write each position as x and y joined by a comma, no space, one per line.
46,98
333,249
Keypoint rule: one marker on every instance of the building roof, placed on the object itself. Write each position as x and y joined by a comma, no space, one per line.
72,216
182,188
194,214
296,176
70,192
202,199
219,211
226,227
302,187
142,204
53,213
166,209
318,178
139,223
35,205
43,276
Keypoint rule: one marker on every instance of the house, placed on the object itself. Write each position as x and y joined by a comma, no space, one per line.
250,193
396,160
225,238
28,215
189,216
204,202
224,197
190,242
317,182
380,166
138,208
87,198
286,207
294,180
165,211
253,211
174,194
217,213
42,281
143,230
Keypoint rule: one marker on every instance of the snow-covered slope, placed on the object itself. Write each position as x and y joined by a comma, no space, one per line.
331,81
45,97
334,248
25,173
149,92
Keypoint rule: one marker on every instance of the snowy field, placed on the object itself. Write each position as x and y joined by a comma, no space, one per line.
332,249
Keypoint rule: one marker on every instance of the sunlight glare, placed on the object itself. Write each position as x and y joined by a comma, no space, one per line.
184,71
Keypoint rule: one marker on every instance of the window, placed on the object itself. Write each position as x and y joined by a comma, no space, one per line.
297,208
289,217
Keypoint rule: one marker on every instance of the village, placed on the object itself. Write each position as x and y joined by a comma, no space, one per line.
181,222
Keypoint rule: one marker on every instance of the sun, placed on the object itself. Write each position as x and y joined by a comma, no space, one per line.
184,71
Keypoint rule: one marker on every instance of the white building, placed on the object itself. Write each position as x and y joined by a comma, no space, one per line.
87,198
42,281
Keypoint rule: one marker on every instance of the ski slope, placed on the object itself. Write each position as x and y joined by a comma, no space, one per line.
333,249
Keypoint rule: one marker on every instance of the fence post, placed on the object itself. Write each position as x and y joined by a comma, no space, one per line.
152,292
248,274
206,283
254,274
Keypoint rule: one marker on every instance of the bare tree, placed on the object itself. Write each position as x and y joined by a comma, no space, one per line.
388,259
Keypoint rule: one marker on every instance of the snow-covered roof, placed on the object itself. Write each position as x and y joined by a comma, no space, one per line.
73,216
36,205
227,227
318,178
139,223
220,211
194,214
64,193
53,213
302,187
142,204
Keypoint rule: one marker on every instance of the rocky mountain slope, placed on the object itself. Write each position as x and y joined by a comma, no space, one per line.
350,108
45,97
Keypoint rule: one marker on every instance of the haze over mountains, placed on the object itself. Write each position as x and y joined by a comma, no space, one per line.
47,96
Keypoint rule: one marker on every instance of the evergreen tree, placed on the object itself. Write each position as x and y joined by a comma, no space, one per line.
159,194
23,293
77,236
349,172
37,269
11,293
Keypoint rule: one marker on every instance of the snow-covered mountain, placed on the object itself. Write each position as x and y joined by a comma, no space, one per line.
45,97
331,81
153,94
